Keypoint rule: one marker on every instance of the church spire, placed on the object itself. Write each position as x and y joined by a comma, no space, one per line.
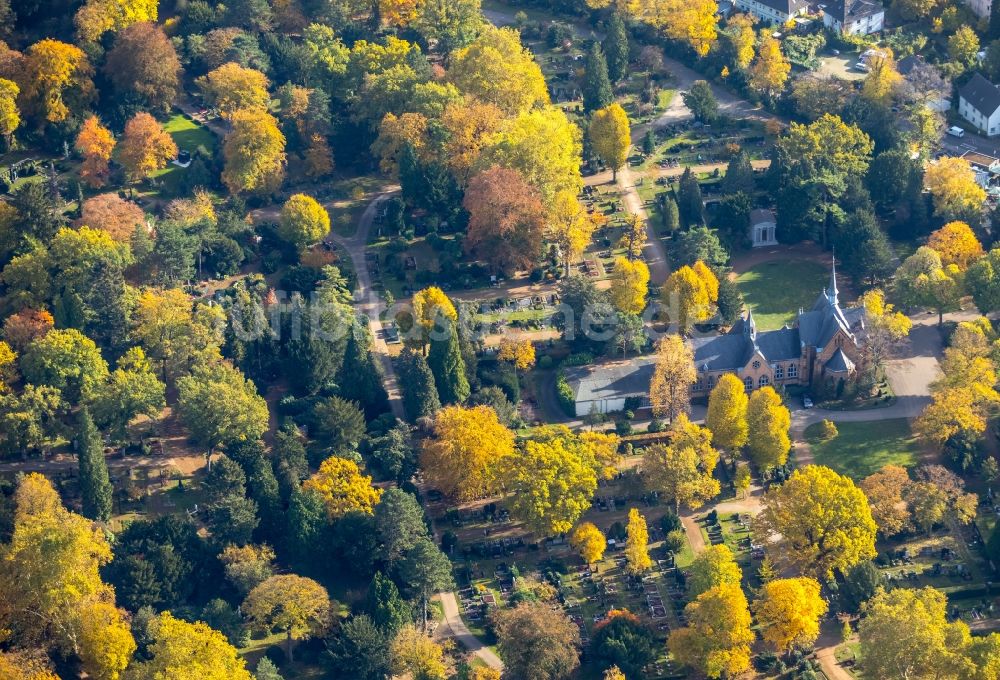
749,325
832,294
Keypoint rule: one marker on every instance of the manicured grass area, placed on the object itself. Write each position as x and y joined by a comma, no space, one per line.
189,136
775,290
859,449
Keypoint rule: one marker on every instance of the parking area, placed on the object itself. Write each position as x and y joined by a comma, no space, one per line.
840,66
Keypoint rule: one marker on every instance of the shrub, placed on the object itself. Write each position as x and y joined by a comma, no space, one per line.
545,362
827,429
565,395
674,541
623,427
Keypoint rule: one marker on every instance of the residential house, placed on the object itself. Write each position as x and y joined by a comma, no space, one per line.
854,17
979,103
912,68
773,11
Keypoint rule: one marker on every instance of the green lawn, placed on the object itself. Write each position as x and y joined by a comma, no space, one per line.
188,135
776,290
859,449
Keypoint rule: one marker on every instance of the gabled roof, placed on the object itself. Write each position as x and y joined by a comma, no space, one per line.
610,381
849,11
761,215
906,64
839,363
722,352
981,94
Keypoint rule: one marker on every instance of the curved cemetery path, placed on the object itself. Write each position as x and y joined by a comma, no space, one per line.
366,298
453,619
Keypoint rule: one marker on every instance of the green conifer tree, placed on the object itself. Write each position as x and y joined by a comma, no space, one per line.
95,485
420,395
359,379
616,48
689,200
596,87
671,217
739,175
446,363
389,611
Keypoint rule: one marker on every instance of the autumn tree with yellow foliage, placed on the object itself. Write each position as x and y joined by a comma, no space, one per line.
886,327
681,470
189,651
571,226
343,488
50,583
588,540
97,17
770,69
95,143
816,522
145,147
610,136
637,544
886,493
883,79
932,646
232,87
952,184
629,285
430,307
303,220
727,413
742,39
520,353
416,655
468,451
552,486
957,244
254,152
673,376
716,641
634,236
294,605
544,145
788,612
55,80
768,423
10,116
687,296
497,70
715,566
693,23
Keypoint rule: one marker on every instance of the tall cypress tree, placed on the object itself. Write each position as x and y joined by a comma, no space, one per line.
739,175
689,201
95,485
359,379
671,218
596,85
616,48
448,367
420,395
108,323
